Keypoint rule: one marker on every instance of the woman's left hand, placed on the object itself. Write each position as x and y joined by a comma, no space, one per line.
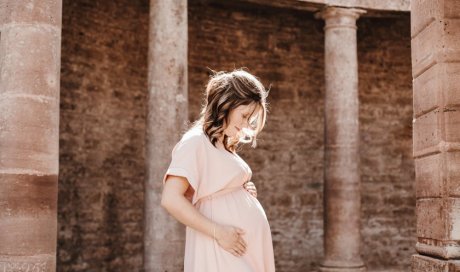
251,188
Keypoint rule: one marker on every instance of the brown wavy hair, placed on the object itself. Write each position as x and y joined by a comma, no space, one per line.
224,92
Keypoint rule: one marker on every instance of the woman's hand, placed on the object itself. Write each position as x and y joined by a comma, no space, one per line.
251,188
231,239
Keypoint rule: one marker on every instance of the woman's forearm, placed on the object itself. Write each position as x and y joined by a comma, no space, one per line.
181,209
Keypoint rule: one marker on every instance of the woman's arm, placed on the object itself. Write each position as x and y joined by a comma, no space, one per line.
174,201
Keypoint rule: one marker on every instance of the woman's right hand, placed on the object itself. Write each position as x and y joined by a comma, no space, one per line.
231,239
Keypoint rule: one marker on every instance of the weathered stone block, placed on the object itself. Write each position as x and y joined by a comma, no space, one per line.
28,57
427,90
438,218
429,176
437,43
431,218
450,74
427,131
28,214
29,125
437,87
452,168
35,263
453,222
421,263
452,123
425,46
451,8
426,12
31,11
438,175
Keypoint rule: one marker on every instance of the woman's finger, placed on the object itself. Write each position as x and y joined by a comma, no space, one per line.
234,252
241,248
241,239
240,231
249,185
239,251
251,188
243,244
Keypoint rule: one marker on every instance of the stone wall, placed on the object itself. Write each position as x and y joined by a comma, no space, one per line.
387,168
103,105
102,127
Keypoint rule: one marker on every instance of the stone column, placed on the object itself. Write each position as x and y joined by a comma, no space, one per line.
167,114
30,55
342,201
435,31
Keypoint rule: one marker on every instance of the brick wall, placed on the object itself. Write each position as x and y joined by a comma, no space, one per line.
102,124
103,104
387,168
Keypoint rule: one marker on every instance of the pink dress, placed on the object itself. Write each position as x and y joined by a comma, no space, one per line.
217,178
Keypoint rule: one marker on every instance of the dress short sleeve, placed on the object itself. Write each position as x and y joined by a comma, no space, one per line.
187,156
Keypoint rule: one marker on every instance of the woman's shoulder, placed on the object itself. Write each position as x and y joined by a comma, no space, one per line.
195,136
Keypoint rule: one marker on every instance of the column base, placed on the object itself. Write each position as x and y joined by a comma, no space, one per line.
421,263
39,262
342,269
443,249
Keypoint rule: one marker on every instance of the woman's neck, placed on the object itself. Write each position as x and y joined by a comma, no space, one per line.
221,145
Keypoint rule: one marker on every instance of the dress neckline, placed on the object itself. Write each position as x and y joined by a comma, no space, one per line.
235,155
232,156
226,151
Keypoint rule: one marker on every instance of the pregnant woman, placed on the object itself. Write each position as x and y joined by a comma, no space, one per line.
226,227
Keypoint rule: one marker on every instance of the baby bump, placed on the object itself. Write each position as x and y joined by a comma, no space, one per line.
237,208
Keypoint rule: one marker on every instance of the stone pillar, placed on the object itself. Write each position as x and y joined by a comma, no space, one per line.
30,55
342,201
164,237
435,31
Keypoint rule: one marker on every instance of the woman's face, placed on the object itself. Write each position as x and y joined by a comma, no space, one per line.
240,118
